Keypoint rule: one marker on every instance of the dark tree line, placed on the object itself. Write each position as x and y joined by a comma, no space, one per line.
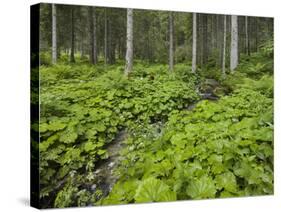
108,35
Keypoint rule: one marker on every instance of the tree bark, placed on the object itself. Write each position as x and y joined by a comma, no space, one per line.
205,38
194,42
72,59
54,34
224,45
111,41
247,46
129,51
256,34
219,38
93,35
105,36
171,40
234,43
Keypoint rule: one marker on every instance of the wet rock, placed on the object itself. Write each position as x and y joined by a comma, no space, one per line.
111,164
212,82
93,187
97,171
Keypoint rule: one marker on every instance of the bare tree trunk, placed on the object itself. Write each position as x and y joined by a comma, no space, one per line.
93,35
72,59
194,42
54,34
234,43
219,37
247,37
129,52
256,34
111,42
224,46
171,47
105,36
205,38
201,40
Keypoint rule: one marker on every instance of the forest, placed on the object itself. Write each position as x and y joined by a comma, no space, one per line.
150,106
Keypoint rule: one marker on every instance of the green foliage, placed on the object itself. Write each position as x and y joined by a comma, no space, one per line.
203,187
154,190
220,149
45,58
82,109
267,48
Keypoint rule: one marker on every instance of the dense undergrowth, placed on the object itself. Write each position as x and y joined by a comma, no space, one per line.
82,113
217,149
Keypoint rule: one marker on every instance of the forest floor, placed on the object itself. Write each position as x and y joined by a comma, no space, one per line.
157,136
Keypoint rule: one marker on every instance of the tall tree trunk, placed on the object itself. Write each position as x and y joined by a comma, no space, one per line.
219,30
247,46
54,34
72,59
93,35
256,34
224,46
205,39
201,37
214,33
234,43
95,51
105,37
129,51
194,42
171,41
111,41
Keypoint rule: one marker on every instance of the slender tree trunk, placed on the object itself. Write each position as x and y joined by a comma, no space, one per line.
171,40
201,40
111,42
194,42
214,33
105,36
234,43
95,51
93,36
82,49
247,37
54,34
205,39
219,30
256,34
224,46
129,51
72,59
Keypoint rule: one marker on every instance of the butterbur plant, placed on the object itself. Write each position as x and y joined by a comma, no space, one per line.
161,120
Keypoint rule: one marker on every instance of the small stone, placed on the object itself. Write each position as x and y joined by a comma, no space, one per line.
97,171
111,164
93,187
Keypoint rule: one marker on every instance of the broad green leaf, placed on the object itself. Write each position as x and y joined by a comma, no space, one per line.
55,125
227,181
179,140
43,127
68,135
203,187
154,190
89,146
101,151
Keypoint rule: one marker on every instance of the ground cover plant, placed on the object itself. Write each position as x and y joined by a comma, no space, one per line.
161,127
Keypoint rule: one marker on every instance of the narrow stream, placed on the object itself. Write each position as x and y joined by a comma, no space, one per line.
104,176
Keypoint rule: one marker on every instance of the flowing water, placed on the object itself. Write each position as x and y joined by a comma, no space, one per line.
104,177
